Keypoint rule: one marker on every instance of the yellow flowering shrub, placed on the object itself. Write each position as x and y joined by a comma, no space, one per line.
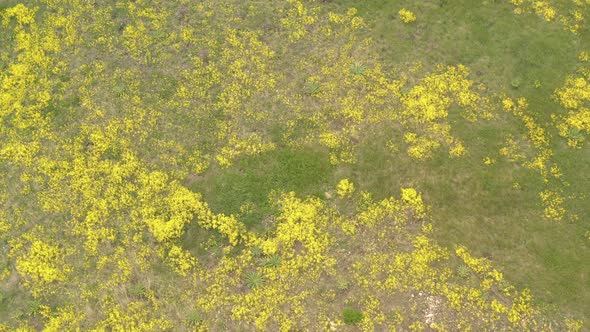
134,316
181,260
23,14
457,150
43,264
412,197
345,188
543,9
426,108
406,16
63,319
574,96
479,265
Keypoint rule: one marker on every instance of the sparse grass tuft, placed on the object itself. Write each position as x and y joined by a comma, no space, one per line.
351,316
358,68
463,271
33,307
137,290
342,284
253,280
575,134
194,318
516,82
257,252
312,88
273,261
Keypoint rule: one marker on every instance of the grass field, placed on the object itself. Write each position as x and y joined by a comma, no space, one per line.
476,205
294,165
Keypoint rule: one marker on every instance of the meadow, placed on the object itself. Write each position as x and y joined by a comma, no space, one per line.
294,165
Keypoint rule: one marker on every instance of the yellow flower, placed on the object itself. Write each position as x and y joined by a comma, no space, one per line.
457,150
181,260
44,263
345,188
406,16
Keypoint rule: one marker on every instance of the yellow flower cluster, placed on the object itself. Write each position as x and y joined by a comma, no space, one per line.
543,9
479,265
250,146
541,161
298,19
181,260
426,108
414,199
574,96
134,316
406,16
345,188
43,264
22,14
109,107
555,10
63,319
489,161
553,204
380,272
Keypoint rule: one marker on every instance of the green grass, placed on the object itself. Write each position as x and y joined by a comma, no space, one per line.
252,179
351,316
473,204
16,304
194,319
8,3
